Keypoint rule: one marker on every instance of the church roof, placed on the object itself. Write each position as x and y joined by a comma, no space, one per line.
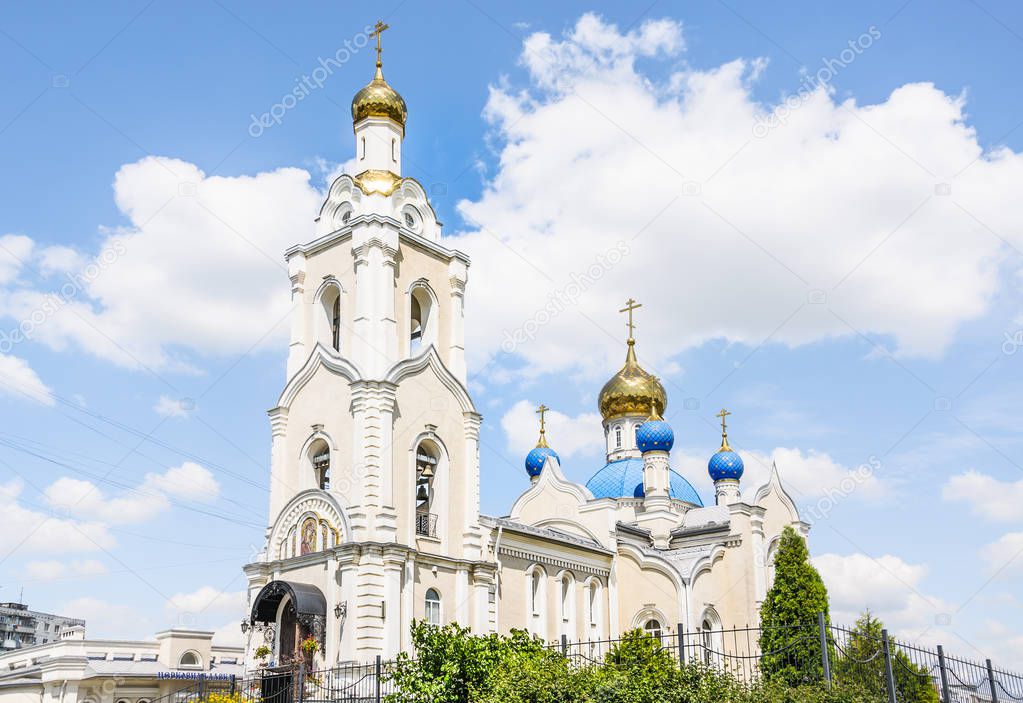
624,479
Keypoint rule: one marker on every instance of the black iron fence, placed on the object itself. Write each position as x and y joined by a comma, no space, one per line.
813,652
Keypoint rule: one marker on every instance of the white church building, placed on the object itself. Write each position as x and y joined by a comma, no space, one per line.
374,514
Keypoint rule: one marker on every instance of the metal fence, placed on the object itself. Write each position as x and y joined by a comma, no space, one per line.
881,666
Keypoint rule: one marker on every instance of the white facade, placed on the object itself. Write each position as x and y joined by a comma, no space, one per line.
374,495
74,669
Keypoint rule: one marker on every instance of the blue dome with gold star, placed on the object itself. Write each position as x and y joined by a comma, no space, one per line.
655,435
624,479
537,458
725,464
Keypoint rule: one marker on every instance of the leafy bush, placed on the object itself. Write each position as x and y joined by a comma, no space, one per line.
449,665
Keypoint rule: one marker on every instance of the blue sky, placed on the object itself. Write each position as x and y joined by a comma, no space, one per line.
844,277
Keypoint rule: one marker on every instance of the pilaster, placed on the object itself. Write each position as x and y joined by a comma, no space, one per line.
373,405
298,349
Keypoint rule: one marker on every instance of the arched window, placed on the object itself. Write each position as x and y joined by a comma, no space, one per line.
711,637
422,325
394,150
593,604
536,593
363,145
566,604
653,628
329,327
432,607
319,458
618,436
536,600
427,458
189,660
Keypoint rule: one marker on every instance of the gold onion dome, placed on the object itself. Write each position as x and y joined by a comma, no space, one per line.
379,99
632,391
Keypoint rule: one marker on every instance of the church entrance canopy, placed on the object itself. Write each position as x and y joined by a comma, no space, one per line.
307,600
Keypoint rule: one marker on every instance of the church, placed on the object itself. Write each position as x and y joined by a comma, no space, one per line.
374,516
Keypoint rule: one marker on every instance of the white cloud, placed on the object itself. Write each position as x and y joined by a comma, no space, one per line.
189,481
86,500
569,435
595,153
1004,555
986,496
207,601
32,531
161,282
60,259
20,380
15,250
52,569
173,407
106,619
890,587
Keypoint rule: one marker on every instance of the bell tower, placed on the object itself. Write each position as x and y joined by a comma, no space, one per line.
374,486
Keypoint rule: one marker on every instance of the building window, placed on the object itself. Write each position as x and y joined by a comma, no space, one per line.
427,459
535,594
410,221
329,323
422,325
189,660
347,216
362,144
618,436
432,607
653,628
319,455
394,150
592,603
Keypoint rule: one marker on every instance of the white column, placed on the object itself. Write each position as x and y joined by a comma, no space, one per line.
394,618
472,533
279,483
461,614
373,426
456,344
297,350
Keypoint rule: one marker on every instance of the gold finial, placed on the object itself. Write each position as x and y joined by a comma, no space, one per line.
631,305
542,410
378,29
724,430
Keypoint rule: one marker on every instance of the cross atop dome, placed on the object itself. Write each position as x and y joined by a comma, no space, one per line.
724,430
378,29
630,306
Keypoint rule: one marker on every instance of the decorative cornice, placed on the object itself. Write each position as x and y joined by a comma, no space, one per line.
319,356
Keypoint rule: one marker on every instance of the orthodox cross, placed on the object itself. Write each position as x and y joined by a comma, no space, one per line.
724,430
631,305
542,410
378,29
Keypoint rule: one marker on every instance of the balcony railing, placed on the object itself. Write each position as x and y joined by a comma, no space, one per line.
426,524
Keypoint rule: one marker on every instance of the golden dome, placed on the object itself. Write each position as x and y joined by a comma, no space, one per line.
379,99
632,391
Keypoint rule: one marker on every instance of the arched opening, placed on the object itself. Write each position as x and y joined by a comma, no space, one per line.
536,581
618,436
711,637
329,326
422,325
319,459
190,660
362,150
427,459
566,603
433,607
653,628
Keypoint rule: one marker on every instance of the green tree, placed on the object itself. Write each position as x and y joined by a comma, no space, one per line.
789,637
861,663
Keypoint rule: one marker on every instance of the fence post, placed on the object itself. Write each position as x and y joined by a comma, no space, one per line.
889,676
564,644
301,681
944,675
681,646
202,686
376,693
822,629
991,680
233,684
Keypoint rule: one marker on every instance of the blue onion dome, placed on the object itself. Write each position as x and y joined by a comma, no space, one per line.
655,435
536,459
623,478
725,464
